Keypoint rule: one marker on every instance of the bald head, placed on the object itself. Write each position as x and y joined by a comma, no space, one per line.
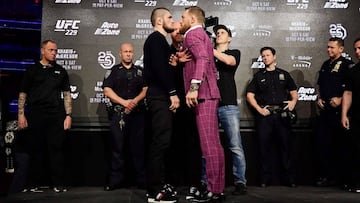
177,24
176,36
126,54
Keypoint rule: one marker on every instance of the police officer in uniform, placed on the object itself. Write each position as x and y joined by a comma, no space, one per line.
272,92
125,87
330,133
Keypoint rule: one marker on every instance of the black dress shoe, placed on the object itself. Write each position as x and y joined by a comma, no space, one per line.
324,182
265,183
109,188
240,189
293,185
345,186
289,183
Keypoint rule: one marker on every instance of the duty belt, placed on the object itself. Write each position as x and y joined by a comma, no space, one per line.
286,114
275,109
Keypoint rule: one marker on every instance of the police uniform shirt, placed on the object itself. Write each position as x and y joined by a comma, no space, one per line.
271,87
126,83
43,86
331,78
226,82
352,83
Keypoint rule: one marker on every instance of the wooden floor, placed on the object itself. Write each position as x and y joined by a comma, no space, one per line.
272,194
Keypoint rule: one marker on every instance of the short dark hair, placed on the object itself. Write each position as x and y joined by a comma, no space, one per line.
338,40
268,48
157,13
45,42
218,27
356,40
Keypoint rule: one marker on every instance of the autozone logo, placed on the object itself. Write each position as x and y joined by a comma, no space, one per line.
336,4
67,1
108,29
307,94
69,27
185,3
257,63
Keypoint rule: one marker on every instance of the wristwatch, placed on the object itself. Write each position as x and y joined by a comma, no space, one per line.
194,87
69,114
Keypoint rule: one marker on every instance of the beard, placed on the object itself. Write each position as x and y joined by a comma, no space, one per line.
168,29
184,28
179,38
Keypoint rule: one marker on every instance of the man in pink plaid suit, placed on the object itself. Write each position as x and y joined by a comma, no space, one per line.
200,78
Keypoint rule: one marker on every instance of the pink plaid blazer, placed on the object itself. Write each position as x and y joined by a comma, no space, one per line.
202,66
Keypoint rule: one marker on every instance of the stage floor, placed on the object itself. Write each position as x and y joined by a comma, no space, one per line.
272,194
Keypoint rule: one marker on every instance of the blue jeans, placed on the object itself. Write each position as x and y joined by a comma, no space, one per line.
229,118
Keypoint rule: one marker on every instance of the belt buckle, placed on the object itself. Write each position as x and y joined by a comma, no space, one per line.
274,109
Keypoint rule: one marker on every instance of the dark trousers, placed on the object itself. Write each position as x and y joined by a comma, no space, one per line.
274,136
329,144
21,172
184,157
354,145
161,127
46,137
127,142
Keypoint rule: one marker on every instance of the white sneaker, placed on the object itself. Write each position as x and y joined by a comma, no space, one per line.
193,192
36,190
59,189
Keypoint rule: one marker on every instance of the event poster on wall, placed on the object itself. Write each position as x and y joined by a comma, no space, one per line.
89,34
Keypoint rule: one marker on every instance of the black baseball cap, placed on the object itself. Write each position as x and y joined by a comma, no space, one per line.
217,27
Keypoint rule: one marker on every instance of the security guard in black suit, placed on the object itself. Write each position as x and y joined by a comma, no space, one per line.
125,87
272,93
330,134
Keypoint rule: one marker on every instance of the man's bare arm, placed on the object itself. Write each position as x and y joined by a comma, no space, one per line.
21,103
22,122
67,102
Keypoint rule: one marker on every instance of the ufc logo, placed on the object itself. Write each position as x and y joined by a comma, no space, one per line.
62,25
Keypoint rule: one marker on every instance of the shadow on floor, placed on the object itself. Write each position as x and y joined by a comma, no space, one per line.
272,194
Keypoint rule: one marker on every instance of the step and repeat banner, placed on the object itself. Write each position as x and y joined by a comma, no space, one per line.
89,34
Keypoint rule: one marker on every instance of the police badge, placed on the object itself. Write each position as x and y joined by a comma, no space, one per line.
337,67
